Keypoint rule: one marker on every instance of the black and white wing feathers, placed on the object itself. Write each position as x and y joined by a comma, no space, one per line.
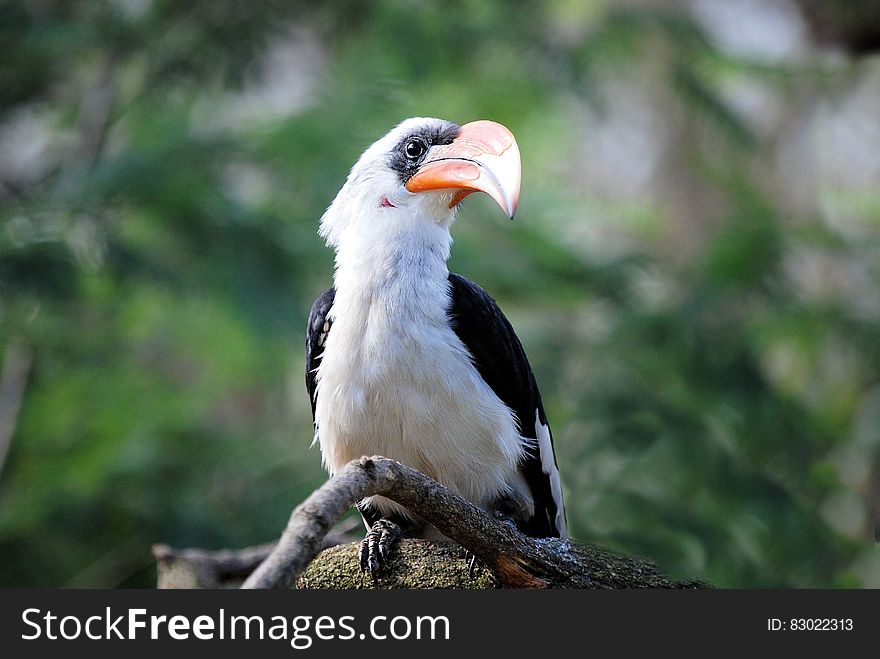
316,337
501,361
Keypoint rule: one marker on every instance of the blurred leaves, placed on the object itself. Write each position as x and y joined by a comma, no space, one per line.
706,340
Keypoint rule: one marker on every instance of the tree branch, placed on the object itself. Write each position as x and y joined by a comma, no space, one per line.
13,379
204,568
197,568
515,559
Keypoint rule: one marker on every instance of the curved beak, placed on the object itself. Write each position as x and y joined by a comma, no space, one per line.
483,158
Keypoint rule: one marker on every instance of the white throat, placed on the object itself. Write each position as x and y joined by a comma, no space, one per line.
407,259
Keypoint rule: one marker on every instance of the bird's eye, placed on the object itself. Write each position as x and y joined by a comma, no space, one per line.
414,149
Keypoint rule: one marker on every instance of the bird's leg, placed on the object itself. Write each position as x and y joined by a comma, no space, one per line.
377,545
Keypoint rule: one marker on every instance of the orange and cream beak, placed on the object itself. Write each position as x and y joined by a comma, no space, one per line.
483,158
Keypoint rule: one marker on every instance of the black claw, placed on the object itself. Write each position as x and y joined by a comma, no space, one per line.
378,546
472,564
364,552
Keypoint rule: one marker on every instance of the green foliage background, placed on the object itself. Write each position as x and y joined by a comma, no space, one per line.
158,261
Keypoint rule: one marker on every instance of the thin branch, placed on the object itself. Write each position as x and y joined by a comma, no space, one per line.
14,374
198,568
204,568
93,120
517,560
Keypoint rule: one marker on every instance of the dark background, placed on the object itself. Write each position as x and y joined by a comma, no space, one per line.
693,270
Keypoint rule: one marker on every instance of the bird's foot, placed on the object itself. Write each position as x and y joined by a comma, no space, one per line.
472,561
377,546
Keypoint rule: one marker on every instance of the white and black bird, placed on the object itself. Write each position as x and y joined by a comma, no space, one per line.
407,360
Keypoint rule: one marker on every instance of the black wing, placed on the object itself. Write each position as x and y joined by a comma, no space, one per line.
501,361
316,336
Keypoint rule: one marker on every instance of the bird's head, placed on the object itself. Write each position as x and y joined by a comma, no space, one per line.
418,174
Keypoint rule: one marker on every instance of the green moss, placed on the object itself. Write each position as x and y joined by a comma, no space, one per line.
427,564
415,564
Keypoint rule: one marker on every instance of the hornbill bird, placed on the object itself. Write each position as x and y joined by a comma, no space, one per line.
407,360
